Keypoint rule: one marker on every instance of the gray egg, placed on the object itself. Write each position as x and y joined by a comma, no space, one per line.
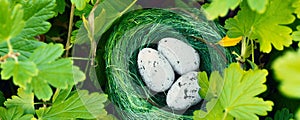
155,70
182,57
184,92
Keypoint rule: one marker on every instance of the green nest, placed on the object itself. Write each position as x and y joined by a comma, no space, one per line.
138,29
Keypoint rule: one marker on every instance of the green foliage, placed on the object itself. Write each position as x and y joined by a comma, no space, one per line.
296,35
23,100
11,22
46,54
237,98
203,82
221,7
14,113
37,68
36,14
54,71
22,72
297,6
286,68
60,6
44,68
266,28
283,114
104,15
80,4
212,88
258,5
24,47
77,105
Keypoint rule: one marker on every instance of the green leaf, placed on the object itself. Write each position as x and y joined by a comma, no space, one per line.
23,100
296,5
267,28
203,82
220,8
240,88
41,89
105,14
212,88
214,112
22,72
258,5
80,104
285,69
59,73
60,6
283,114
87,9
14,113
36,14
237,98
46,54
24,47
78,75
296,35
80,4
11,22
61,94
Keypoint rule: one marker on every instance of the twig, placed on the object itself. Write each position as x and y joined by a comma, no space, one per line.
67,48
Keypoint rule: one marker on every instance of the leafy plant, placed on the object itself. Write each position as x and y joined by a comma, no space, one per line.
221,7
283,114
41,76
37,68
267,23
237,97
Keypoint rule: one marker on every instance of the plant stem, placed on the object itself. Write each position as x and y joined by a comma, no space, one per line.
252,50
70,30
10,48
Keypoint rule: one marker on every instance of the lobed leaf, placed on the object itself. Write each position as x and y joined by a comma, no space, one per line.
237,98
258,5
24,47
283,114
80,104
11,22
267,28
285,69
220,8
23,100
22,72
296,35
80,4
14,113
36,14
46,54
60,6
296,5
